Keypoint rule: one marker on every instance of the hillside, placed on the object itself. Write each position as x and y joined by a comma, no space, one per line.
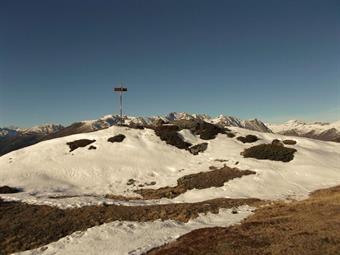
15,138
125,172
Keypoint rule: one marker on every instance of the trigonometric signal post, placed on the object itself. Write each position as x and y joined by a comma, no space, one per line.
120,90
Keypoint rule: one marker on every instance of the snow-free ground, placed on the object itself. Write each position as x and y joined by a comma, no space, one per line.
135,237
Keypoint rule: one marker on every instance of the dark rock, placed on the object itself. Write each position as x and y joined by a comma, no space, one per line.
168,133
277,142
150,183
270,151
79,143
131,182
135,126
116,139
248,138
205,130
208,131
198,148
230,134
8,190
92,147
289,142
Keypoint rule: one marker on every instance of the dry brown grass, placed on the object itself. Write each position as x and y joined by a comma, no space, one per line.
308,227
202,180
24,226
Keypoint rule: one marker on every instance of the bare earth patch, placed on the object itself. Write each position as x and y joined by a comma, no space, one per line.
202,180
308,227
25,226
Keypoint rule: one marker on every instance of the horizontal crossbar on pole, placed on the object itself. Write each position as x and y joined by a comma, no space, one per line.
120,89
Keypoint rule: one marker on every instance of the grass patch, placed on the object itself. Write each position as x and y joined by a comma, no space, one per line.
202,180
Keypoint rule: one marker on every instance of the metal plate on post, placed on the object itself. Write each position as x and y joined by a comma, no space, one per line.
120,89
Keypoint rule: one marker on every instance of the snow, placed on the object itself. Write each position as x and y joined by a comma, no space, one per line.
49,169
135,237
42,129
109,120
302,127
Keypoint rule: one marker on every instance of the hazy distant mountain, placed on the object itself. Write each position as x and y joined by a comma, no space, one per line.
13,138
8,131
17,138
317,130
230,121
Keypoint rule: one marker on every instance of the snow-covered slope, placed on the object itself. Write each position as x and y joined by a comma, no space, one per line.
49,168
16,138
317,130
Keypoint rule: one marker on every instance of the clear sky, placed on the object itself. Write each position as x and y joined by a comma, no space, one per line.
274,60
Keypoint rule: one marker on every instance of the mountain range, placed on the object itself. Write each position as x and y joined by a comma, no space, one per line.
318,130
12,138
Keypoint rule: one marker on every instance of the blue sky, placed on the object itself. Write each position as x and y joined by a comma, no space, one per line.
274,60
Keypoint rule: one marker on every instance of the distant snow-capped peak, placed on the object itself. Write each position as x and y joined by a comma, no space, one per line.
42,129
317,130
37,130
110,120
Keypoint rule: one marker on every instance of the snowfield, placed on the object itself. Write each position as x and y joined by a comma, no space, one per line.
49,169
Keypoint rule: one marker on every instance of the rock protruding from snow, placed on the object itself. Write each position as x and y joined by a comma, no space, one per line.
201,147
